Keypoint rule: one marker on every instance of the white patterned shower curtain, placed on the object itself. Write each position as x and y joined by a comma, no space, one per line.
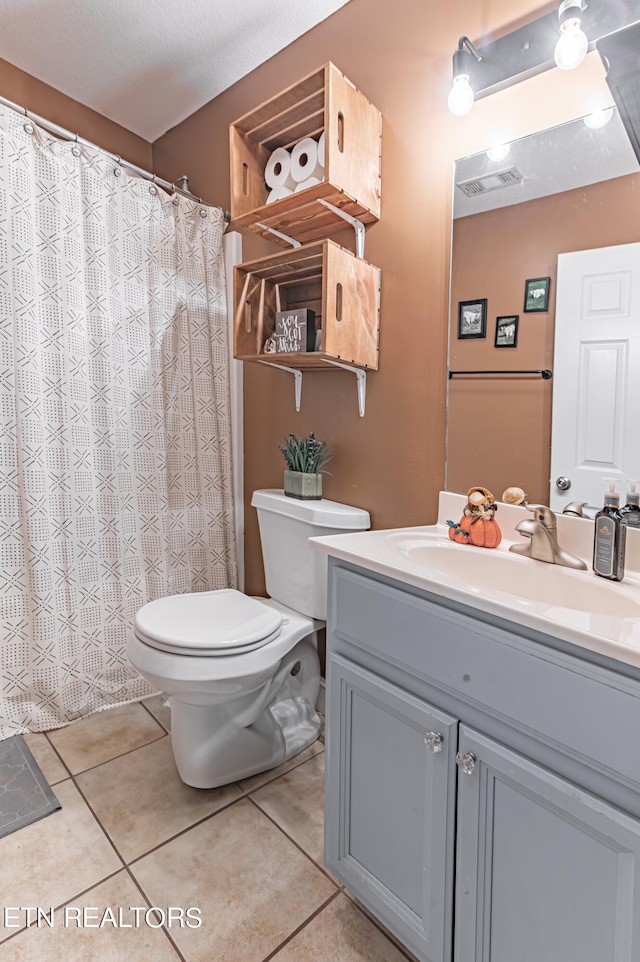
115,451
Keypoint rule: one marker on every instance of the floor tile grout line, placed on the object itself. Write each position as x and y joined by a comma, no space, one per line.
303,925
72,898
129,751
205,818
317,865
148,900
183,831
390,936
56,752
99,822
177,834
155,718
276,777
166,733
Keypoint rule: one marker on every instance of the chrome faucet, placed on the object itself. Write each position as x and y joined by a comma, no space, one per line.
541,530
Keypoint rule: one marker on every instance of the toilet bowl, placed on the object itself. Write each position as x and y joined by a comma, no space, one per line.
242,673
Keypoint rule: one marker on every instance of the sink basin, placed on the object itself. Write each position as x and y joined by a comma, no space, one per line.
496,572
564,604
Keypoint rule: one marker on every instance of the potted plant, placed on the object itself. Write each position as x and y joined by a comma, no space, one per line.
304,458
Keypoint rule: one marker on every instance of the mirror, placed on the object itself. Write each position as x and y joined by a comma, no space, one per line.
570,188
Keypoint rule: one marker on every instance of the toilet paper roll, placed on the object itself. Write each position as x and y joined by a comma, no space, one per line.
309,182
321,149
304,160
277,193
277,173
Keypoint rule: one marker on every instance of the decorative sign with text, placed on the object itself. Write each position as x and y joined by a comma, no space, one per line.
295,330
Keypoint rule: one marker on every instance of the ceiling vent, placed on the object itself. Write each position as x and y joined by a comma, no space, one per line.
493,181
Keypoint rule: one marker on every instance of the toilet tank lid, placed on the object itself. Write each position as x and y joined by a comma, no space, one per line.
323,513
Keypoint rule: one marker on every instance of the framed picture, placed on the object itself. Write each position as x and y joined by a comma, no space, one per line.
536,294
507,331
472,318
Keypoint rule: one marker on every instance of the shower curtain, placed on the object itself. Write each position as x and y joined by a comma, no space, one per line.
115,450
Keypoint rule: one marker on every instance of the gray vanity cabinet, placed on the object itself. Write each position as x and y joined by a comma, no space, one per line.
476,800
391,799
544,871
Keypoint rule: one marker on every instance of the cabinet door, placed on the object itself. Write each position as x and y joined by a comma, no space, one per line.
390,805
544,871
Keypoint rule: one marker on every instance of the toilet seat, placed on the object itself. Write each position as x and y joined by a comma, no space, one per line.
207,623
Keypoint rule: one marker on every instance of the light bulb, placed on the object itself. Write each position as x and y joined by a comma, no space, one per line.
460,98
572,46
499,152
599,118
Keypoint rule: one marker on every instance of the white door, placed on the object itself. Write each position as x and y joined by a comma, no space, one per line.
596,374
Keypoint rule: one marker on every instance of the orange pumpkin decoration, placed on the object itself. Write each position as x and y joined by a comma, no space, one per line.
478,531
460,532
485,533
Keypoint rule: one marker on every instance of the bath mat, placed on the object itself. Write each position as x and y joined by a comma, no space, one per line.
25,795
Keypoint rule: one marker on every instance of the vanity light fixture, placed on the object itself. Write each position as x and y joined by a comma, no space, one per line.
461,94
572,45
613,28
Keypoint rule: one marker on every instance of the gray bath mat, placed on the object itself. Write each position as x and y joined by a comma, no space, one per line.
25,795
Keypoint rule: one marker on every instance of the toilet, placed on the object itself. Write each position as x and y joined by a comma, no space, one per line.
242,673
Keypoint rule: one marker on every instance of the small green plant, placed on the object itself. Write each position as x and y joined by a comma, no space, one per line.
305,454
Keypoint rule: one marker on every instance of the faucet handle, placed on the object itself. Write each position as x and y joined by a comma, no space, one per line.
544,514
574,508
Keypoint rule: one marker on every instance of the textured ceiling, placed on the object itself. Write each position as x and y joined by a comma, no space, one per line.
148,64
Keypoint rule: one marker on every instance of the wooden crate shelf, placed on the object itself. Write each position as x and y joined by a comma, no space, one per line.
323,101
343,290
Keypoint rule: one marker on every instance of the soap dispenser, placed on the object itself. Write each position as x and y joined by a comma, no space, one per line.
631,510
609,537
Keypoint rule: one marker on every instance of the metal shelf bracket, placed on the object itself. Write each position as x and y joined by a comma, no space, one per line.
361,379
357,225
297,379
284,237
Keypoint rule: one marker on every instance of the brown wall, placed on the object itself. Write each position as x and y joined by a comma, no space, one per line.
25,91
499,429
398,52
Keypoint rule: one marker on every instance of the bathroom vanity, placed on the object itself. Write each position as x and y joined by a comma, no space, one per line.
483,780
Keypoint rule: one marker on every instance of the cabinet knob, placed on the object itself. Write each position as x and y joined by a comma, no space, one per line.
433,741
466,762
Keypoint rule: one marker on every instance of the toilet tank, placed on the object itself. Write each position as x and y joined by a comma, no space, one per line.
295,574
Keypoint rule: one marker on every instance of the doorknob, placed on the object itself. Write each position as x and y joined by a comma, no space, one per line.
563,483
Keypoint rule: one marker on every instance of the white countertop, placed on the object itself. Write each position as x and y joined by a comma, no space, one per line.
599,615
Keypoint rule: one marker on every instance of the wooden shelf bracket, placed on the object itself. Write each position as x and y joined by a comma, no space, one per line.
357,225
361,377
297,379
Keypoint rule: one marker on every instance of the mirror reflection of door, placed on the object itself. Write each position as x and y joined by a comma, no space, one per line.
512,219
596,398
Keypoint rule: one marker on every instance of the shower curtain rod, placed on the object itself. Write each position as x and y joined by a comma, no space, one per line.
146,174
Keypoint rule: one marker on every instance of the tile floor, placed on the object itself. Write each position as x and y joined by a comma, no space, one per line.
131,836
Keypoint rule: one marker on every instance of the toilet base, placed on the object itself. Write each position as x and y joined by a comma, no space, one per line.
217,744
